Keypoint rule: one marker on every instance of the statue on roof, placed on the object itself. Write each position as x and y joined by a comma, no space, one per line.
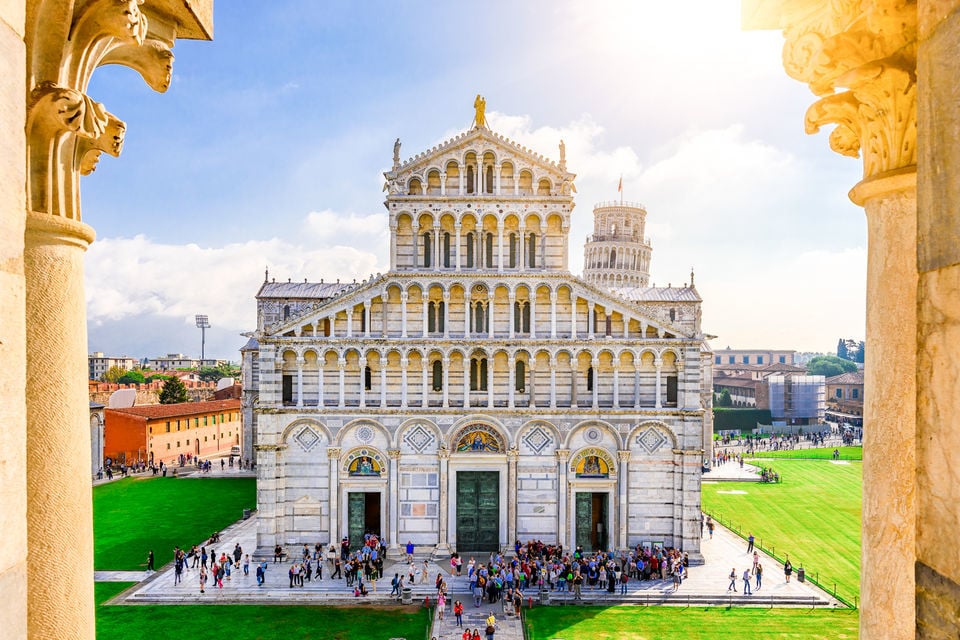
396,154
563,156
480,107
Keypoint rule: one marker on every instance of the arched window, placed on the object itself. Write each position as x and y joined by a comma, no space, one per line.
613,258
470,241
431,317
488,184
513,251
590,379
478,374
479,317
532,251
286,312
520,376
427,249
437,375
489,251
525,318
441,309
518,316
446,249
367,378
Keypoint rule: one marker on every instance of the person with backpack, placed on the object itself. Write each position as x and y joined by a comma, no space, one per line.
458,612
491,626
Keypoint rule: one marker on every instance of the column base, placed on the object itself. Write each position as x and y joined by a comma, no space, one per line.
696,559
442,550
395,553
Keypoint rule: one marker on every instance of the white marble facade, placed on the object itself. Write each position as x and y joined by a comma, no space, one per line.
377,405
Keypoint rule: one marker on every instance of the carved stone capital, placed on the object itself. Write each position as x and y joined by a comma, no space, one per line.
562,454
333,453
110,141
153,60
624,455
860,56
394,454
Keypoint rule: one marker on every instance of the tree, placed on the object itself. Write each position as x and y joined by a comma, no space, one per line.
113,374
724,399
829,366
173,391
861,352
132,377
842,349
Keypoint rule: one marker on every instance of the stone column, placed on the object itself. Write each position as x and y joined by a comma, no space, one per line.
511,379
333,325
496,178
499,246
466,381
384,314
862,59
446,315
59,498
467,301
363,381
403,380
490,381
563,525
512,300
393,505
553,313
512,455
342,366
443,183
457,228
333,465
349,323
522,249
415,227
426,316
596,382
616,382
658,363
591,320
443,544
321,361
446,387
403,314
623,484
533,312
490,320
532,387
393,244
425,375
366,318
383,379
553,381
437,247
300,363
573,315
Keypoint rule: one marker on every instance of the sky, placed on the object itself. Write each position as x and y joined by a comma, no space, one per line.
269,147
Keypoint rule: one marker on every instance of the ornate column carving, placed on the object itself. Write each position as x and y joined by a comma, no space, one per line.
860,59
65,133
563,526
333,463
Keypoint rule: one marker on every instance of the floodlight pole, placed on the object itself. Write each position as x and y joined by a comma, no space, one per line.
203,323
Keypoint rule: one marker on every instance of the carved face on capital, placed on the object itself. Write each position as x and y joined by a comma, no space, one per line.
128,20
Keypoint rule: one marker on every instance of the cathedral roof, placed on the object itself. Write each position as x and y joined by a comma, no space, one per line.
474,135
308,290
658,294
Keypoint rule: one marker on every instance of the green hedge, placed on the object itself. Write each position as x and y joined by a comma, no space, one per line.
725,418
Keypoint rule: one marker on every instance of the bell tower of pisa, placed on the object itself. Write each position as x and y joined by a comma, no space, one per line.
618,253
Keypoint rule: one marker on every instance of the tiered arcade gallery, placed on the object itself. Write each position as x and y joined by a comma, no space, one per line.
478,393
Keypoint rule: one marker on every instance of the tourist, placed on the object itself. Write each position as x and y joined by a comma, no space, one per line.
476,634
746,582
750,543
246,565
203,578
733,580
756,560
237,554
441,605
491,626
150,561
458,612
577,586
787,569
710,527
758,573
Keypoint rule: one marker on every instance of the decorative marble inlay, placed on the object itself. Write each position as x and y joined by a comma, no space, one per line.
537,439
418,438
651,439
365,434
592,435
307,438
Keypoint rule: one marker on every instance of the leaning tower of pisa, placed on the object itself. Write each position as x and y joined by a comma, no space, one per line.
618,253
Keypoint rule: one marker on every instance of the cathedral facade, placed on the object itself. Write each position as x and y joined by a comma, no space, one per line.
478,393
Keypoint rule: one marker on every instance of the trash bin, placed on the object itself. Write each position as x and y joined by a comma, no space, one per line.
407,597
544,596
801,575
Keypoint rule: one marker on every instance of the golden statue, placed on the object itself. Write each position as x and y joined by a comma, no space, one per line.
480,106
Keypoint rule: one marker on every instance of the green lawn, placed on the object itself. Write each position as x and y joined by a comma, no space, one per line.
846,453
813,515
649,623
252,622
133,515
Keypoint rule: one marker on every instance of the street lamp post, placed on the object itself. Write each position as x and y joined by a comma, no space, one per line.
203,323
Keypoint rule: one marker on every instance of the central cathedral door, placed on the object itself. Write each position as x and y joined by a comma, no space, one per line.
591,519
478,511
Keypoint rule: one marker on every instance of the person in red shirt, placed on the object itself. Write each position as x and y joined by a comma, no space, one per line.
458,612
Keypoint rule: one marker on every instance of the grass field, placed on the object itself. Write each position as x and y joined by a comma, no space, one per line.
846,453
254,622
650,623
813,515
133,515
